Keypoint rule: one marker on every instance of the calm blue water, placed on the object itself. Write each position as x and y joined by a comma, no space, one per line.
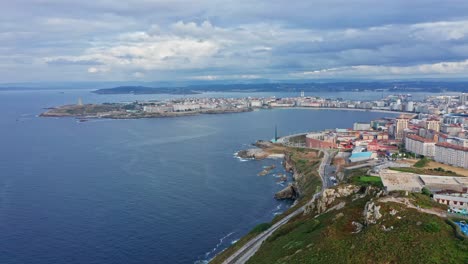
134,191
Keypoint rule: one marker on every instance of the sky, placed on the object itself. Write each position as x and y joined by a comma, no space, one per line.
209,40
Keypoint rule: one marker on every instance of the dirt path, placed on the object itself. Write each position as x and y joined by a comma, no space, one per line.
407,203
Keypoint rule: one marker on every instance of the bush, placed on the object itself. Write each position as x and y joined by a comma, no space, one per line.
260,228
432,227
426,191
421,163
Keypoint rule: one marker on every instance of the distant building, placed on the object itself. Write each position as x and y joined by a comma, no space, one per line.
463,98
320,140
375,124
420,146
409,106
451,154
463,142
457,203
361,126
361,156
401,125
255,103
433,124
185,107
157,108
451,129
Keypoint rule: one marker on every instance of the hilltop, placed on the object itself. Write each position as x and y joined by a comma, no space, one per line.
355,222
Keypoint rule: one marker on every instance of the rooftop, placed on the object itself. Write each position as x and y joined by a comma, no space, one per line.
400,181
448,145
420,139
429,179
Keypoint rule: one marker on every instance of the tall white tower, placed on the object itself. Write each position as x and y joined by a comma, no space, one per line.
80,101
302,93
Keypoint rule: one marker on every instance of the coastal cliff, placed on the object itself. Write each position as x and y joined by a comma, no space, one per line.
289,192
302,163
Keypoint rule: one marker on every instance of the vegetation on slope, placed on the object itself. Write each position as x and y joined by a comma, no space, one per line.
421,163
306,163
426,171
410,237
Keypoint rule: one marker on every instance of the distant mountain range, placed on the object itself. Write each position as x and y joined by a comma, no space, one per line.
144,90
414,86
435,86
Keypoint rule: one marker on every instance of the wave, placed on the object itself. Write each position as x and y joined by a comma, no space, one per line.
239,158
220,243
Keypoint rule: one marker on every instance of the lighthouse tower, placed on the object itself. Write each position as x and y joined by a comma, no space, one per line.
80,101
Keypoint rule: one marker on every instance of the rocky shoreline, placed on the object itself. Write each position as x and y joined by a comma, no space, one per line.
266,149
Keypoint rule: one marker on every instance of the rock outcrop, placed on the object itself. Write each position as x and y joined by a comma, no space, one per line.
371,213
290,192
358,227
328,196
252,154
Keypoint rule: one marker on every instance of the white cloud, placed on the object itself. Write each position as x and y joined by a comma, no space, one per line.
225,77
434,69
138,74
98,69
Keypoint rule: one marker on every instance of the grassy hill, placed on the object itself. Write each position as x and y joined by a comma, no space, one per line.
401,235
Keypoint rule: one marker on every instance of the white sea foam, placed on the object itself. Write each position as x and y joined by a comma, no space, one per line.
241,159
220,243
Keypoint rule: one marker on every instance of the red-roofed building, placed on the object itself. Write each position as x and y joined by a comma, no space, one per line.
420,145
451,154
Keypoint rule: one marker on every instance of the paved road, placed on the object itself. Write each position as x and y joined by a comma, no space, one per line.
243,254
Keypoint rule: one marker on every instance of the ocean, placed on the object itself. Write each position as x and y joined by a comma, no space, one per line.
166,190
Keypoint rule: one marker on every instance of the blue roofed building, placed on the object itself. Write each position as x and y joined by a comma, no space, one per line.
361,156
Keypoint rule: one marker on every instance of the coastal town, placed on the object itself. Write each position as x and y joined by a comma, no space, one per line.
418,159
433,105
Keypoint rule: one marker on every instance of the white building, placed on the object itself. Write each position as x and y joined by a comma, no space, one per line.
410,106
401,125
157,108
420,145
256,103
361,126
456,202
451,154
185,107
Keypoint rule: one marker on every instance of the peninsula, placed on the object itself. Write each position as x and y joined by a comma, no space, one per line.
218,105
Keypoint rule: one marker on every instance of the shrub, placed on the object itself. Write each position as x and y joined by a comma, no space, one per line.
421,163
260,228
426,191
432,227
